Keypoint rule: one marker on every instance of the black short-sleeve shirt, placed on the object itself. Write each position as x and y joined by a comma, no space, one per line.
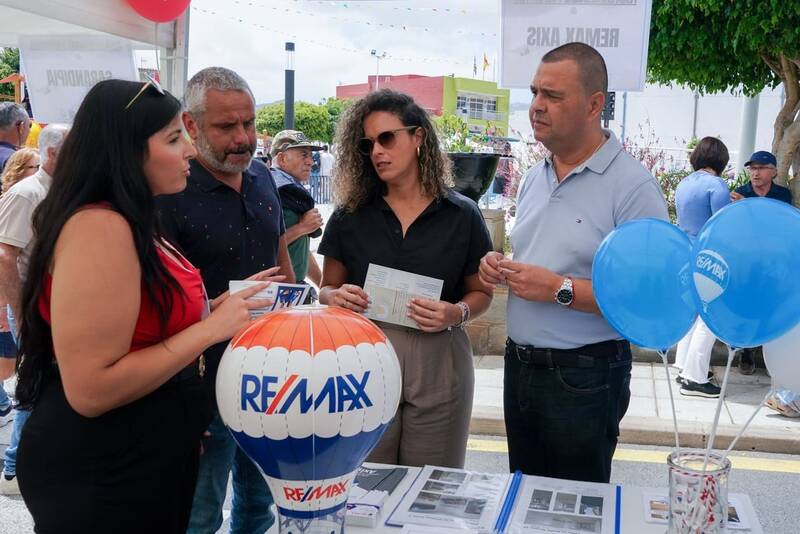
447,241
226,234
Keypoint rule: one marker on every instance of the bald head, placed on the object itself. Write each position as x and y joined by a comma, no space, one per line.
591,66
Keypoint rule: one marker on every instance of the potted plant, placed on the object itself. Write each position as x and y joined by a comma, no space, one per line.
474,162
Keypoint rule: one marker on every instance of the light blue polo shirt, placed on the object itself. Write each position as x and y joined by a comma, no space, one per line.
559,226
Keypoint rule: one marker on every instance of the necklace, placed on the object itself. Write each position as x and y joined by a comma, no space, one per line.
602,142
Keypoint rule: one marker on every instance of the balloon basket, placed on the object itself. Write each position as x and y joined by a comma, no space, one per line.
332,523
698,500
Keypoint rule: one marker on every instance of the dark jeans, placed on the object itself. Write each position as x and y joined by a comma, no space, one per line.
561,421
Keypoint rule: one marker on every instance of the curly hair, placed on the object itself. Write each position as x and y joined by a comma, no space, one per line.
16,167
355,180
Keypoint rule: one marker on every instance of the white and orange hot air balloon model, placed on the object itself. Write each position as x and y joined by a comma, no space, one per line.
307,392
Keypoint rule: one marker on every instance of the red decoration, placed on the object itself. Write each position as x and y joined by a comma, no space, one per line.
160,10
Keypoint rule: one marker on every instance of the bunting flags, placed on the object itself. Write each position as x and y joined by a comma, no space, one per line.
326,44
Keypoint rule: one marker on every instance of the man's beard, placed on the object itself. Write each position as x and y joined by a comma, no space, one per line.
216,159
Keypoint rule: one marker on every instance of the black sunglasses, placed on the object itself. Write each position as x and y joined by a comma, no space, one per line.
385,139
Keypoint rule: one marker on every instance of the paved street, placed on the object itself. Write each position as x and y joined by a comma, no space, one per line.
771,480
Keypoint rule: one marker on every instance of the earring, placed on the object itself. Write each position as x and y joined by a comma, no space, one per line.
417,152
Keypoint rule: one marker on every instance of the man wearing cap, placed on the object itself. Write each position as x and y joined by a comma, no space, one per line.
291,159
762,168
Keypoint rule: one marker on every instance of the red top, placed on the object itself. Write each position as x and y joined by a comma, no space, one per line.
187,307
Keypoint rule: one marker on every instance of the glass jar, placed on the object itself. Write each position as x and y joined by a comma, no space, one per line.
698,500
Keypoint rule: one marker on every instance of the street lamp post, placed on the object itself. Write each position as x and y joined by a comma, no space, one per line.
288,100
378,57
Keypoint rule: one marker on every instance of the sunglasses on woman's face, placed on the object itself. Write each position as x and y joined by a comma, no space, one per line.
386,139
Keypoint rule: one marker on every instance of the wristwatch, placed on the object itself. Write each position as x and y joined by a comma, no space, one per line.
565,295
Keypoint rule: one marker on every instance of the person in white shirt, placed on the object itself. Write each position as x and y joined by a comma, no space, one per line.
326,161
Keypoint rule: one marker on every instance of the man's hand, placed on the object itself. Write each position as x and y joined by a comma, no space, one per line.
530,282
488,270
4,327
310,221
736,196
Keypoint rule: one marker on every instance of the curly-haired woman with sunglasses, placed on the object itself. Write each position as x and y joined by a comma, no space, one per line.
395,209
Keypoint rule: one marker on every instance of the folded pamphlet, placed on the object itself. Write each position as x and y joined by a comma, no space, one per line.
444,498
281,295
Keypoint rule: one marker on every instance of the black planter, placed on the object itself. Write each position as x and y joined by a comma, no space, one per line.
473,172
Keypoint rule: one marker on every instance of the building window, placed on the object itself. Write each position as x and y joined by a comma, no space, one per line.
482,107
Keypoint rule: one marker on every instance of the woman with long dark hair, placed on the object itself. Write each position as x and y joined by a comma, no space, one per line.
396,209
113,328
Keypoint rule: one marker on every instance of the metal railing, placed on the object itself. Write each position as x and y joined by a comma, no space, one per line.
320,188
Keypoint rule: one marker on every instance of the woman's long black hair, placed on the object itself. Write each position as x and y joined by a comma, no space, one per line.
101,161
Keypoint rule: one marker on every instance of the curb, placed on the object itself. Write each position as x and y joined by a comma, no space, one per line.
647,431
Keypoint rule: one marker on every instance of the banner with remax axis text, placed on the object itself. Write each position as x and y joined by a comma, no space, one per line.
618,29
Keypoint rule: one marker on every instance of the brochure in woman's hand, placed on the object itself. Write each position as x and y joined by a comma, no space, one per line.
281,295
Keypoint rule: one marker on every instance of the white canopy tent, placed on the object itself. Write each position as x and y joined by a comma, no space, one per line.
99,17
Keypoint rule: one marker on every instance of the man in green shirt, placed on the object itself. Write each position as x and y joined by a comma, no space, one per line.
291,160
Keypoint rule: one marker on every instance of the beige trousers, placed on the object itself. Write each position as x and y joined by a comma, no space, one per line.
432,422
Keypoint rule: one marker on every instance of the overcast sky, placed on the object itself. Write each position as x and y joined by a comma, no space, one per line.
333,40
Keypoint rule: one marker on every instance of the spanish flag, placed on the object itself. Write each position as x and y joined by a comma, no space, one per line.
485,62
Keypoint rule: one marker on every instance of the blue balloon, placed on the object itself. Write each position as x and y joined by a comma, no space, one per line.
745,263
641,280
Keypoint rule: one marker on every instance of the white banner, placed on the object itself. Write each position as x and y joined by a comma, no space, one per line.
618,29
60,70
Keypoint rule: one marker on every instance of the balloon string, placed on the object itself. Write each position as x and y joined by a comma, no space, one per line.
747,424
663,355
731,352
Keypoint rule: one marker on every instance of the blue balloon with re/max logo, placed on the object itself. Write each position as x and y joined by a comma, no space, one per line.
745,271
641,277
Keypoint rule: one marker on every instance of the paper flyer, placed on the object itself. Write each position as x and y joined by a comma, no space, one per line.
390,290
655,504
281,295
549,505
442,498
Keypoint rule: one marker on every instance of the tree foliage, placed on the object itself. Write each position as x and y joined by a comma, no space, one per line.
725,45
335,109
317,121
9,64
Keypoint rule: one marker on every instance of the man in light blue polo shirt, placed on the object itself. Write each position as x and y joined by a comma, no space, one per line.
567,371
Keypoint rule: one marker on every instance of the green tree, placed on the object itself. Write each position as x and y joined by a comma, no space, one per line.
9,64
722,45
335,109
311,119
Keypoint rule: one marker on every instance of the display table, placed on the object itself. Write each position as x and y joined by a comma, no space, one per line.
632,513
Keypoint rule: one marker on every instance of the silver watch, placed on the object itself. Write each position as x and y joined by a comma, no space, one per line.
565,295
